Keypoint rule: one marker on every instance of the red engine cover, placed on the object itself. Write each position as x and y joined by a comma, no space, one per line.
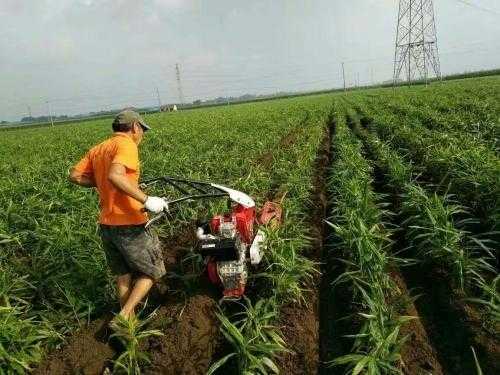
244,218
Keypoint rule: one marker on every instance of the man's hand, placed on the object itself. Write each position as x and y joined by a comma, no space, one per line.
156,204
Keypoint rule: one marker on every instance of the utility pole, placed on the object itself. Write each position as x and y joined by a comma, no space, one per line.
416,52
29,112
179,85
50,113
357,79
159,99
343,75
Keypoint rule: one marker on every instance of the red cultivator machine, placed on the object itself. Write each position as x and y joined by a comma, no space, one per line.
230,241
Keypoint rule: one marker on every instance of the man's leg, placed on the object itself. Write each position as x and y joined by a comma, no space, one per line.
141,288
124,286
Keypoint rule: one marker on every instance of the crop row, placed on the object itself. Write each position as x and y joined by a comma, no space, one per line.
468,108
361,241
434,230
467,169
253,332
485,131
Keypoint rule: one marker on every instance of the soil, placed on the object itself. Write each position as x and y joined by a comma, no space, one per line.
191,337
486,342
289,139
418,355
188,321
300,328
87,351
266,158
454,327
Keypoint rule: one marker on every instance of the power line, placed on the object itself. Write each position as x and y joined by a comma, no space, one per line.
206,86
207,81
483,9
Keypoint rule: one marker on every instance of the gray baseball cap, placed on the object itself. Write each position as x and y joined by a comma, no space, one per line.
129,117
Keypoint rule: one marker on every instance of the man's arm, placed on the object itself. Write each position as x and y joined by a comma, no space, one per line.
81,179
118,177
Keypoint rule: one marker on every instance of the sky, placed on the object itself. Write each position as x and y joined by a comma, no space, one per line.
76,56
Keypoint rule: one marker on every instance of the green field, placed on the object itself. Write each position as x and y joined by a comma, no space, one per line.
388,194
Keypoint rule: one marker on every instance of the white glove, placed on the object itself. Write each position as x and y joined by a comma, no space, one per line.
156,204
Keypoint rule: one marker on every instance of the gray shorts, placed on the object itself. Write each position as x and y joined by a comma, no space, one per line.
132,249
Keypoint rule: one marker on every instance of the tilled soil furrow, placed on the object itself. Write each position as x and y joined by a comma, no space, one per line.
191,337
450,328
418,355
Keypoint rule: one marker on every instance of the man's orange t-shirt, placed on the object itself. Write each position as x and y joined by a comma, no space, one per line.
117,208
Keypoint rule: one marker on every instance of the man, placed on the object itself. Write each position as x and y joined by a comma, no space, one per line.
132,251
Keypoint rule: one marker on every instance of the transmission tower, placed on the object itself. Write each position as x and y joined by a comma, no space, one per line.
416,55
179,85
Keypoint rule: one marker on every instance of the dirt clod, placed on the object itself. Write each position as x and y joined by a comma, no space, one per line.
87,352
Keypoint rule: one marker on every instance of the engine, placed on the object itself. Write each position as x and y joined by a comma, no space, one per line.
228,244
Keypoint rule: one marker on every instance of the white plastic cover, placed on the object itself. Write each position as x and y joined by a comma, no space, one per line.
255,248
237,196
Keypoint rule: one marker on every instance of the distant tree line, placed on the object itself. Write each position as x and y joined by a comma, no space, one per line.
232,99
43,118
